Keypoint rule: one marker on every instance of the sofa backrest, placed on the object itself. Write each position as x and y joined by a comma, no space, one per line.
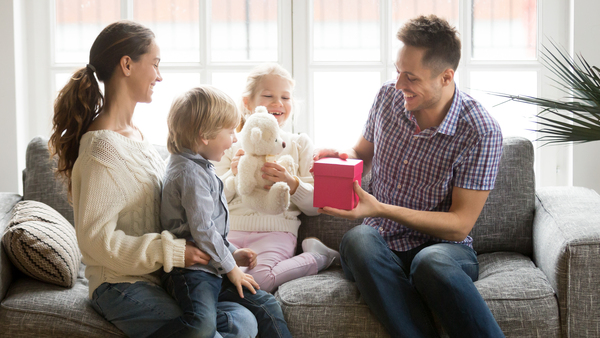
506,221
39,183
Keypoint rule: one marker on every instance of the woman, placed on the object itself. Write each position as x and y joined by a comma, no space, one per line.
114,181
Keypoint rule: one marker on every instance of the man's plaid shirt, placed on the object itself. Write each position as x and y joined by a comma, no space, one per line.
417,169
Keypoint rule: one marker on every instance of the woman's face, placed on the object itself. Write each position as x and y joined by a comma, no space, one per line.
145,74
275,93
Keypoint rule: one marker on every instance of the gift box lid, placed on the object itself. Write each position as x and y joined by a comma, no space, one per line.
331,166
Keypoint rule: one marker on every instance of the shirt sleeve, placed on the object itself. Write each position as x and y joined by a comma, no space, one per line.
199,206
303,197
479,168
98,203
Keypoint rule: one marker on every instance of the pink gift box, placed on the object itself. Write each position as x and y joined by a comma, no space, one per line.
334,182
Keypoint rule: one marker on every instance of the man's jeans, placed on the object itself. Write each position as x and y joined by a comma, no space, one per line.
197,292
403,289
142,308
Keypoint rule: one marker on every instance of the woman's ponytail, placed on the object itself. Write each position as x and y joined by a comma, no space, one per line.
76,106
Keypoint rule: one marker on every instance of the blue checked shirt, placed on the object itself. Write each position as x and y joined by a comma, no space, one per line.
417,169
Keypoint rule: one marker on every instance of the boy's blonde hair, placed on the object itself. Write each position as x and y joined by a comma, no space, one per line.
256,75
201,112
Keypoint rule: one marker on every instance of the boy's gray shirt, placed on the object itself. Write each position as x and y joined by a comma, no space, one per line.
194,207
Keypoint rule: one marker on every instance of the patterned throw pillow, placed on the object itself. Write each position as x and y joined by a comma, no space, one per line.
42,244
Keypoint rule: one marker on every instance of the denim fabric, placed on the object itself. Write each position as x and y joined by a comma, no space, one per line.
140,309
197,292
403,289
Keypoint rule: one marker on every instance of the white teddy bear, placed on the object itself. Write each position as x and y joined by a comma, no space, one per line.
261,143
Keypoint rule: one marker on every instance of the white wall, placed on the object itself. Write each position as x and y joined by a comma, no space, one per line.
10,86
586,28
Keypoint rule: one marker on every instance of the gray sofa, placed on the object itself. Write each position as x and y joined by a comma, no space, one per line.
539,254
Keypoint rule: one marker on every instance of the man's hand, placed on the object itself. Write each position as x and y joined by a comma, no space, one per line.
239,279
193,255
368,206
245,257
236,160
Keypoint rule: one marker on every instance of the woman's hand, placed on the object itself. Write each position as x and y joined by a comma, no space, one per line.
239,279
236,160
245,257
277,173
193,255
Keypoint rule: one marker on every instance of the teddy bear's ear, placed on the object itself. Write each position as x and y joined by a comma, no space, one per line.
255,134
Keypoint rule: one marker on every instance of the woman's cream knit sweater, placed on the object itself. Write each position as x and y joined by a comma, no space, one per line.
243,218
116,200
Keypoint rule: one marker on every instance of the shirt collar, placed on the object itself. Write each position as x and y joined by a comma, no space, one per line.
197,158
450,122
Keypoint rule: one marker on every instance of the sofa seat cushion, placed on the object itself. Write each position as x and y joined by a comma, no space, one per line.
36,309
327,305
518,294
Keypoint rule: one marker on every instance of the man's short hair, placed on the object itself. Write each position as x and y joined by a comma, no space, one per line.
440,40
200,112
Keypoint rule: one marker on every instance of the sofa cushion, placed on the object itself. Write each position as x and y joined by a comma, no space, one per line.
506,221
518,294
42,244
37,309
39,183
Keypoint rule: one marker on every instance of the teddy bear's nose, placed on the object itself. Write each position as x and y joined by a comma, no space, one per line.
283,144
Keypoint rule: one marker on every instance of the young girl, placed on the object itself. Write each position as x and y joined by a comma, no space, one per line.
114,178
273,237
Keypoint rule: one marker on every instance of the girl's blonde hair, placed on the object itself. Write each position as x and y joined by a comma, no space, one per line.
201,112
254,78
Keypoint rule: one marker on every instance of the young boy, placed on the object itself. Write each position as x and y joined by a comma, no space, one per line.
201,127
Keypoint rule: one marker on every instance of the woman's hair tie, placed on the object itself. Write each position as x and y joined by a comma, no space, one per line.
90,67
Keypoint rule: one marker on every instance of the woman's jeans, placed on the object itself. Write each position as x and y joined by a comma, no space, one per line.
142,308
197,292
404,289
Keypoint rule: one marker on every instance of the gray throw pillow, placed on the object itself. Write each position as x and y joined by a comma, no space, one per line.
42,244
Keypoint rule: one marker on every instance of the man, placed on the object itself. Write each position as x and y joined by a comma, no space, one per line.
433,153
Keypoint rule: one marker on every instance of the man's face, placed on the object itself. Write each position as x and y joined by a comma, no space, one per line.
421,88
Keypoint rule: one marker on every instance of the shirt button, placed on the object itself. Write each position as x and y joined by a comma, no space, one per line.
381,229
399,186
405,162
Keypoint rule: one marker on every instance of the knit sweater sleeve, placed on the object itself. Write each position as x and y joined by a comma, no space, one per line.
99,200
303,197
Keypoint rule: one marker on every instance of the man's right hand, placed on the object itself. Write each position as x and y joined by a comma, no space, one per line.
193,255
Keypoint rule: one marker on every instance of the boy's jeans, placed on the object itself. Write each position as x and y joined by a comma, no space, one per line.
141,308
197,292
403,289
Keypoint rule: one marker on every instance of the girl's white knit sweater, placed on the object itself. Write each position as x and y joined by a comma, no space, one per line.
243,218
117,186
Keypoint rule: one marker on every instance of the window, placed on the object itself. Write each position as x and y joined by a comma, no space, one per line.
339,52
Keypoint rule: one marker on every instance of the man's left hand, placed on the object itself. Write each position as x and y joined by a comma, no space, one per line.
368,206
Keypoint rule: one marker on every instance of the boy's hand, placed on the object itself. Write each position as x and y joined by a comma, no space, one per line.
239,279
245,257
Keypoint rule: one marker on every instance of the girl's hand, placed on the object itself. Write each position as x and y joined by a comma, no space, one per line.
193,255
239,279
276,173
236,160
245,257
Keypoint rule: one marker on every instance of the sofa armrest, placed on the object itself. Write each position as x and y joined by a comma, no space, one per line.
566,245
7,202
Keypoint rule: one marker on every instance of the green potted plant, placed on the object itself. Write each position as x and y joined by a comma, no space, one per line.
575,118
